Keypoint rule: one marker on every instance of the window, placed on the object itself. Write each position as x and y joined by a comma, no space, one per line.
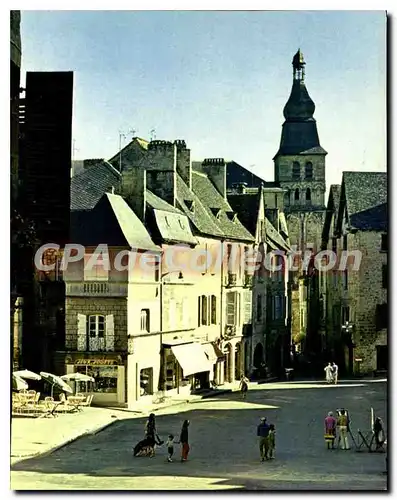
105,377
334,246
213,310
309,170
345,242
204,310
247,307
345,314
157,263
199,312
381,316
345,279
277,307
96,326
259,308
308,194
296,194
384,242
146,381
231,308
145,320
229,258
95,270
384,276
296,170
286,199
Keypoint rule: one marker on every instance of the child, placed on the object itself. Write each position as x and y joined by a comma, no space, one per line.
170,447
272,440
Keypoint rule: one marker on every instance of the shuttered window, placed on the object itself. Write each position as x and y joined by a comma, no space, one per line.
248,307
231,307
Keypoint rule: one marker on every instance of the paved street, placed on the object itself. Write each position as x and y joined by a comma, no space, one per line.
224,451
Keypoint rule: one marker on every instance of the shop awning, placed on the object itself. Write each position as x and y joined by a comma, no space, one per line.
192,358
213,352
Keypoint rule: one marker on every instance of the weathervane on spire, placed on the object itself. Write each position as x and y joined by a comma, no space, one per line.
298,63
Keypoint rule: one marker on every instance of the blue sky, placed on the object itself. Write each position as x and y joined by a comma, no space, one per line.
219,80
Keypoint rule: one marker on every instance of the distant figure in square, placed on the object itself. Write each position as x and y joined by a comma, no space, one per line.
335,372
328,373
272,440
170,447
330,430
184,440
244,386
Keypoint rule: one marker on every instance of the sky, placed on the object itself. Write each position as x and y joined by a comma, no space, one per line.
218,80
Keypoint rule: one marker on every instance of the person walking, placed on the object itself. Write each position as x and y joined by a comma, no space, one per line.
272,440
243,386
335,372
151,434
184,440
330,430
342,424
263,434
328,373
170,447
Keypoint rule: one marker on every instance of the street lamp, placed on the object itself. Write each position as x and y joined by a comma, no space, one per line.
347,332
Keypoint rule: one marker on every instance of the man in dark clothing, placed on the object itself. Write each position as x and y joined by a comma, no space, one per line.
263,434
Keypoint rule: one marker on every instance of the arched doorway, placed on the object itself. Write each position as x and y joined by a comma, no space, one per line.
227,364
237,362
258,355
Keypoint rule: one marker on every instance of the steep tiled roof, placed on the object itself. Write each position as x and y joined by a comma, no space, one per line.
110,222
373,219
274,236
211,198
364,190
199,216
174,227
247,208
89,186
157,203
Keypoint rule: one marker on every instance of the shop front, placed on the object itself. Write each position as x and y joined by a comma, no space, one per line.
108,371
186,368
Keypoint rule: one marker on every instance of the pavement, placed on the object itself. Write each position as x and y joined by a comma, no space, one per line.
224,449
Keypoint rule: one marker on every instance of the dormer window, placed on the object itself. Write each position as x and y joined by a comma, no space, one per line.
216,212
296,170
190,205
231,216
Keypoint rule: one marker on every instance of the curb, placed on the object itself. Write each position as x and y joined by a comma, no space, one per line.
68,441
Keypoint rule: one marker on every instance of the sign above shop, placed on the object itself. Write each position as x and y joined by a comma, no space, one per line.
95,362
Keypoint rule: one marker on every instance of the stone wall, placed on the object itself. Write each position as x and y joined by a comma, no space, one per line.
96,305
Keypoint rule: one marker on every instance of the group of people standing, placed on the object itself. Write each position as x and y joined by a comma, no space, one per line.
332,424
147,446
331,373
267,439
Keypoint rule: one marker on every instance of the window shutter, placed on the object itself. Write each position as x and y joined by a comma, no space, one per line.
109,333
199,312
248,307
231,308
81,332
213,309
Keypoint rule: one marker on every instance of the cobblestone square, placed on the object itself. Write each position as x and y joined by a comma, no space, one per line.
224,449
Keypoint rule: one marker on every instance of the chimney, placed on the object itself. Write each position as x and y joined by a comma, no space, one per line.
133,189
215,168
183,164
160,165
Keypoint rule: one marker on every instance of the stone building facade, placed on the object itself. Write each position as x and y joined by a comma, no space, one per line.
356,294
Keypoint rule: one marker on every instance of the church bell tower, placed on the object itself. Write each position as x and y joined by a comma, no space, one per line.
299,164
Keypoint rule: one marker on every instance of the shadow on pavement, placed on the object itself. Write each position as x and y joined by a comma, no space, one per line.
224,446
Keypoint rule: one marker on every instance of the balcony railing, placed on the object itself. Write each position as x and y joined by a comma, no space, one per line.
96,289
231,279
248,280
